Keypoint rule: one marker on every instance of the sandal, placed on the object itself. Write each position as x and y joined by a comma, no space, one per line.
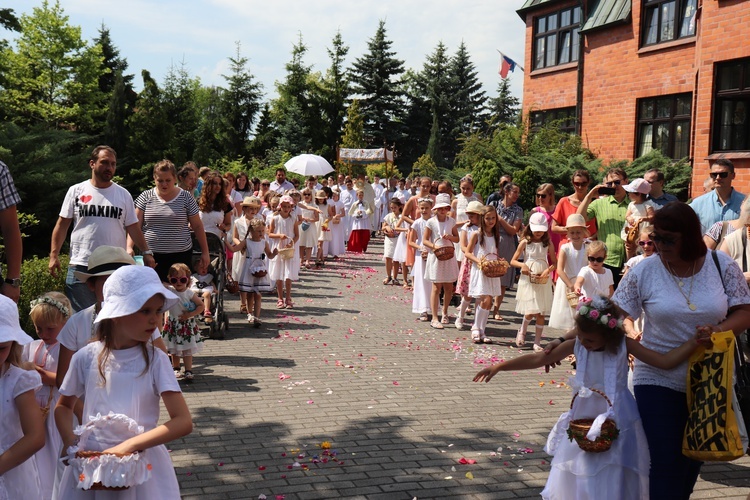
396,282
289,304
446,320
486,340
208,318
424,317
387,281
520,338
436,324
498,317
243,308
476,336
257,323
280,304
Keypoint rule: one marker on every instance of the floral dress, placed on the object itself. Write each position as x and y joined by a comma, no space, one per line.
183,338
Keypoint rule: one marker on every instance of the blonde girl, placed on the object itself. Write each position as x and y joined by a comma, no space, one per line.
422,287
49,313
251,206
595,279
473,213
308,238
22,426
122,373
389,241
284,231
181,332
440,231
254,277
648,248
534,300
570,260
401,253
326,211
483,244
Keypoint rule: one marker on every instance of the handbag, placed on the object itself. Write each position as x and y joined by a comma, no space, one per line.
711,432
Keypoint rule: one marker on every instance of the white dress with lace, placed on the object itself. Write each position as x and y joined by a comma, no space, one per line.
620,472
130,392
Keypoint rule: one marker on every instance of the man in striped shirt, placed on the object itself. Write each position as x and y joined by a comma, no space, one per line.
610,213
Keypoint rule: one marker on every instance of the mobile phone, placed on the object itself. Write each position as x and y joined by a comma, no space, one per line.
607,190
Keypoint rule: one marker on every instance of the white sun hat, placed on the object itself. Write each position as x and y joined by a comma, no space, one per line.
128,288
442,200
10,327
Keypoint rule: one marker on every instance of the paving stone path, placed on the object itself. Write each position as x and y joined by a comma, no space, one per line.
351,368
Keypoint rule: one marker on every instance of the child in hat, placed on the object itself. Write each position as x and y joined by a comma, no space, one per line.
570,260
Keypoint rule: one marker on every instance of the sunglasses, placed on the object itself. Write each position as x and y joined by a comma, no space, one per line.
174,280
613,183
661,240
648,243
580,184
716,175
596,259
266,184
542,196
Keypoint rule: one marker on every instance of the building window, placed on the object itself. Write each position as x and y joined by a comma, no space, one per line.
667,20
556,39
562,118
731,104
664,124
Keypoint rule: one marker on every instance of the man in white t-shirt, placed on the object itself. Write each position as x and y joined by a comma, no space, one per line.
102,213
281,185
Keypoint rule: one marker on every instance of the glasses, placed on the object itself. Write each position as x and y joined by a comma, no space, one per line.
580,184
613,183
266,184
648,243
307,194
541,195
662,240
716,175
174,280
596,259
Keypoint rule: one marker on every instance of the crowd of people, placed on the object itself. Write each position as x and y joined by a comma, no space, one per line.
621,266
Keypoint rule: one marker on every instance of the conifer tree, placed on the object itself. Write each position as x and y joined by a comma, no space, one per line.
468,100
335,92
353,135
504,108
240,104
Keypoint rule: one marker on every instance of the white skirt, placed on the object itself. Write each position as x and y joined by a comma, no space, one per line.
389,247
561,316
420,302
399,254
480,285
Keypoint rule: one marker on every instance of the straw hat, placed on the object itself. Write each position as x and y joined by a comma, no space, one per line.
249,201
576,220
103,261
442,200
474,207
321,195
10,328
128,288
538,222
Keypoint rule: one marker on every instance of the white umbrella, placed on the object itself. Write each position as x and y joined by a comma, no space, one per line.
309,165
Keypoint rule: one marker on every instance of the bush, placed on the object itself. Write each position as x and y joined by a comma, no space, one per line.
37,281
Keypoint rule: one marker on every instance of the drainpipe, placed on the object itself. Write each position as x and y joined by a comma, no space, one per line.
579,85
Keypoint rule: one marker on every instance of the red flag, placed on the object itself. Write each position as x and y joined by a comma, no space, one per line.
506,65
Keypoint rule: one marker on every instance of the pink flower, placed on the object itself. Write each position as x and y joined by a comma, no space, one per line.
612,323
593,314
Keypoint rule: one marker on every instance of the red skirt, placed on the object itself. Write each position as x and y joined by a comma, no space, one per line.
358,241
410,252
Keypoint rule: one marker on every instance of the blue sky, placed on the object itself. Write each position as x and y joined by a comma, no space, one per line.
155,34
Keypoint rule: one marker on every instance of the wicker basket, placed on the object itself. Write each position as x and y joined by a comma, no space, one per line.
445,253
538,279
493,267
286,253
579,428
97,454
573,299
260,274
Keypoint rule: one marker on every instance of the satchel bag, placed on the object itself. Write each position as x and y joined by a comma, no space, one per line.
711,432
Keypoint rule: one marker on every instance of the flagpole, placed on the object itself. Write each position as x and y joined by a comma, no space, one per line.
517,65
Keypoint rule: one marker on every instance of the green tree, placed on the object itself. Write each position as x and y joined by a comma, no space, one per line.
179,98
115,131
376,80
240,104
111,64
266,134
293,133
52,76
424,166
210,103
504,108
335,92
353,135
417,120
467,99
436,84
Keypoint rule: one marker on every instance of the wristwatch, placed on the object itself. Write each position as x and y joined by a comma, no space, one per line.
16,282
147,252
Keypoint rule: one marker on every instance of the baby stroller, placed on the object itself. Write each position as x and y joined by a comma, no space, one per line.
218,269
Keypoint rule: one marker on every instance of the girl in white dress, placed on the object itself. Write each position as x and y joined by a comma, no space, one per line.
360,213
534,300
570,260
483,244
601,348
473,213
254,277
459,206
595,279
440,231
400,253
326,213
308,236
284,231
181,332
390,237
336,246
121,374
49,313
21,423
420,303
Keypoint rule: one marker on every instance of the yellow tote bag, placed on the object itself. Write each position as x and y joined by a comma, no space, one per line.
711,432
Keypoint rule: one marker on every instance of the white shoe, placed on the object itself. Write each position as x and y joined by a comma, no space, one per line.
250,318
459,323
476,336
538,348
520,338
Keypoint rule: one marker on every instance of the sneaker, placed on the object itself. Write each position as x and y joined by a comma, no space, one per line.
188,375
459,323
250,318
538,348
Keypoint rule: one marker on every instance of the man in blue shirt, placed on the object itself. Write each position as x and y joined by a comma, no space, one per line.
655,177
724,202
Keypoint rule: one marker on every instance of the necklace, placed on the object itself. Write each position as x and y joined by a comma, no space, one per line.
680,284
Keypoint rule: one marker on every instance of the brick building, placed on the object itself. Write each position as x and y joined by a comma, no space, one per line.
634,75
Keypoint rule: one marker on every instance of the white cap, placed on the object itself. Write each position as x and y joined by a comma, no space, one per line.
10,327
128,288
442,200
538,222
638,186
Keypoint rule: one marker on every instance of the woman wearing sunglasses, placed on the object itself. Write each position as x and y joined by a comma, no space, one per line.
545,204
569,204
